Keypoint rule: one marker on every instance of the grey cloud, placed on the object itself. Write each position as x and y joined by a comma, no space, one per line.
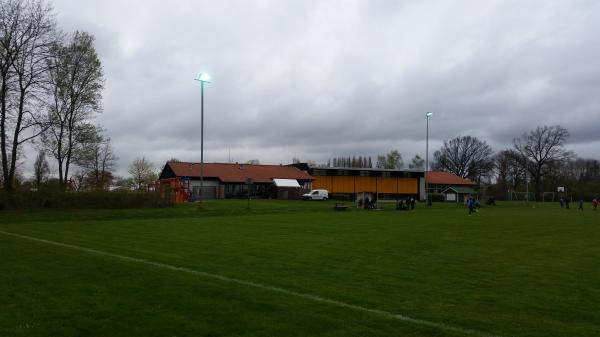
316,79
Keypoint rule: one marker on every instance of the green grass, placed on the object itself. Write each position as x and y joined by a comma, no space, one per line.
509,270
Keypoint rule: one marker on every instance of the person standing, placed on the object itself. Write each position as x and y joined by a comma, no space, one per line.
471,205
595,203
580,204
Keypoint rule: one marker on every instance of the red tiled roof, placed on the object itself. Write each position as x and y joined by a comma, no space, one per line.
238,173
446,178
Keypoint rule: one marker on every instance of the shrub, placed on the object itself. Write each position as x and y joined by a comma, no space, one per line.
55,198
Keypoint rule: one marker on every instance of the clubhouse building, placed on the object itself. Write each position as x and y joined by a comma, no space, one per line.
226,180
229,180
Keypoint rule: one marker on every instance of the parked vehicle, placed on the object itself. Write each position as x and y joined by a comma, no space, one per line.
316,195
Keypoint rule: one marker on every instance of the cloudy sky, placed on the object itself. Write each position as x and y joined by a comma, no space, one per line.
316,79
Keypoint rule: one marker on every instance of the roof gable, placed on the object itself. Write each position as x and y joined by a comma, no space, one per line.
447,178
166,172
461,190
238,173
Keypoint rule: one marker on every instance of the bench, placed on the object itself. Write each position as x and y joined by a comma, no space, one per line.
340,206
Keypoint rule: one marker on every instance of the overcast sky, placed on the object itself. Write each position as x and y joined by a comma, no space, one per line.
316,79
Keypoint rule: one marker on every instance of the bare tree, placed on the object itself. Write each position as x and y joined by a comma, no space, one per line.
465,156
142,173
541,150
97,159
509,171
77,180
27,33
76,84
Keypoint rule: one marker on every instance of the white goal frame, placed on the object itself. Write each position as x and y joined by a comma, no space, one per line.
553,194
522,196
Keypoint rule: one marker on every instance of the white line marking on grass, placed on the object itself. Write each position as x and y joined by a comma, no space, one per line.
315,298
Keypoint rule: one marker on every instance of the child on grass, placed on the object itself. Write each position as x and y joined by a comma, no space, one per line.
471,205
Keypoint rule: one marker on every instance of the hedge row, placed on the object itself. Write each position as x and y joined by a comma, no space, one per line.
99,199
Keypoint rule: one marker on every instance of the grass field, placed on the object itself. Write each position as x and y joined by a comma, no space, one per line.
290,268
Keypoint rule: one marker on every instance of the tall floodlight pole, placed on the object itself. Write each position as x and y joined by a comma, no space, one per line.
427,115
202,78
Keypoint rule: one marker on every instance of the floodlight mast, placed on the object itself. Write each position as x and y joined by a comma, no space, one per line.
427,115
202,78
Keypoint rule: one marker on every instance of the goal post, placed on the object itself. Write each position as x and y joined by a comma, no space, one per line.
522,196
548,196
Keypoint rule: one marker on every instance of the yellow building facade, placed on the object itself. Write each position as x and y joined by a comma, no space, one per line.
394,183
353,184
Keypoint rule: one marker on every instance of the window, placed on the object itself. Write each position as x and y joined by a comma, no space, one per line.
319,173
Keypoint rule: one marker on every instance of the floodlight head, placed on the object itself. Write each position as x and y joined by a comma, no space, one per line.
429,114
203,77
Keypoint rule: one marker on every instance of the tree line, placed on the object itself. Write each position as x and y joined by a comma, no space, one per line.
51,86
391,160
537,157
50,89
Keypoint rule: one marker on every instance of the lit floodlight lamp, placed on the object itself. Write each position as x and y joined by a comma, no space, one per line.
427,198
203,77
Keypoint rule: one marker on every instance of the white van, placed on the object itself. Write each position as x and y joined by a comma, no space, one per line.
316,195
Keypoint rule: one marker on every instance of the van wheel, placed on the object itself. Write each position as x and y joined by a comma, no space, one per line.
324,199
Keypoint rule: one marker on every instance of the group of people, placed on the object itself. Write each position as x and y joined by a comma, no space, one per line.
404,204
408,204
564,203
368,203
470,202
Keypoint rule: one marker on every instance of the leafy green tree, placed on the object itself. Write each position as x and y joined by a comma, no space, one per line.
41,169
417,163
392,160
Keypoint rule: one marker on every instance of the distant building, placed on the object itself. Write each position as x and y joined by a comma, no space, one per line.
233,180
453,187
352,182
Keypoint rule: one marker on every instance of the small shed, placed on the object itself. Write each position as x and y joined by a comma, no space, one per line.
287,188
458,193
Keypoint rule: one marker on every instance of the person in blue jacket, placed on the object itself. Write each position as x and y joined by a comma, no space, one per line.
471,205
